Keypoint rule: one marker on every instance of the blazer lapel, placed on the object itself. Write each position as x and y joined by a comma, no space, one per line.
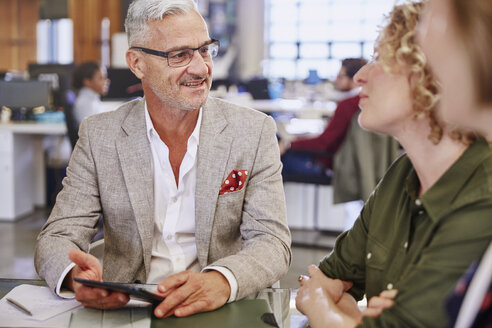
213,152
136,163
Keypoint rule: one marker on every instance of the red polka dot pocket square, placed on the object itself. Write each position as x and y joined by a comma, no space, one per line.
234,182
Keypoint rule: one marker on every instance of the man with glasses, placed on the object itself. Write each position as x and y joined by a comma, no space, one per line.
189,186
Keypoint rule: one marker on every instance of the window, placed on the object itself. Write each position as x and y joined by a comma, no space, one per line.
316,34
55,41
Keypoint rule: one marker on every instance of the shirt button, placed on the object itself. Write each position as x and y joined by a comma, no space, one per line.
421,212
390,286
405,245
169,237
418,202
174,199
369,255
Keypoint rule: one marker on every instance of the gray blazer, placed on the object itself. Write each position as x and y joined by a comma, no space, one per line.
110,173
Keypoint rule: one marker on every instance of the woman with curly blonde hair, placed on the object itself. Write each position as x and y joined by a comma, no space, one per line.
428,218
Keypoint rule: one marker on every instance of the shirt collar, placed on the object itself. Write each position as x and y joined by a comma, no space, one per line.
194,137
442,197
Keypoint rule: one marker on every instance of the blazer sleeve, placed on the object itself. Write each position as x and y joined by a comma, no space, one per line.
265,254
73,220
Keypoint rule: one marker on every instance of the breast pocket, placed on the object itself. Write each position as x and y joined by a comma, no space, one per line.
376,264
230,206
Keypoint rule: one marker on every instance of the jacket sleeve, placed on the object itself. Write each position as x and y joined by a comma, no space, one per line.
73,220
265,253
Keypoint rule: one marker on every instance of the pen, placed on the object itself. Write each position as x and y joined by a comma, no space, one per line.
19,306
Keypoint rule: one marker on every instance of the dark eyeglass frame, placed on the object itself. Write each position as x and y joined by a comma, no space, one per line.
165,54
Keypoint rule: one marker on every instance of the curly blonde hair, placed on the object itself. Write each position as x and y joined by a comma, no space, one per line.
397,49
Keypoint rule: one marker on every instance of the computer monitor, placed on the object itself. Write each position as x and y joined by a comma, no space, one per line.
258,88
28,94
124,84
59,76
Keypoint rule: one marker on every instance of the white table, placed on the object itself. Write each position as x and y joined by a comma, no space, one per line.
301,108
22,166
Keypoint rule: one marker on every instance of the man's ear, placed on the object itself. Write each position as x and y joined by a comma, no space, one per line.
135,63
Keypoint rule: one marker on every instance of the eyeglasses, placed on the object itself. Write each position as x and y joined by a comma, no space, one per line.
182,57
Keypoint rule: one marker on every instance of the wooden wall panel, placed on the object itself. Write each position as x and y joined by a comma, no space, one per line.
87,16
112,10
7,27
18,19
28,18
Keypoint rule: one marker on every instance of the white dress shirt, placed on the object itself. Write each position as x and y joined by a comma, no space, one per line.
174,244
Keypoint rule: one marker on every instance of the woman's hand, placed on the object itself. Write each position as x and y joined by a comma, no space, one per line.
377,304
324,301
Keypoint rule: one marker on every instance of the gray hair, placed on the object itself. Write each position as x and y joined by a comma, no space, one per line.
141,12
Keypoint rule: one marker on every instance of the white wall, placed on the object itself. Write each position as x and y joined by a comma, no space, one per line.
249,40
250,37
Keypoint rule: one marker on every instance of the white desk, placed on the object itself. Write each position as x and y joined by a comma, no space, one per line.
109,105
299,107
22,166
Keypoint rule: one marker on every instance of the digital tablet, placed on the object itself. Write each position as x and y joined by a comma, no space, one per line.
135,292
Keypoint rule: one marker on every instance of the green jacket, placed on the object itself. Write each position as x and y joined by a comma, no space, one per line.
419,246
361,162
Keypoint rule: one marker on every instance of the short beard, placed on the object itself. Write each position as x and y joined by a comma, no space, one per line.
182,105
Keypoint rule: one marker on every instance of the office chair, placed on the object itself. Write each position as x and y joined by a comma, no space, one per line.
71,122
72,125
358,165
322,178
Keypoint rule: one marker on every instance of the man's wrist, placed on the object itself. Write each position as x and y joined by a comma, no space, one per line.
68,281
61,287
224,280
229,276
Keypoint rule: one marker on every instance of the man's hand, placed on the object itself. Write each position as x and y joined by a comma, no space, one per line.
88,267
377,304
192,292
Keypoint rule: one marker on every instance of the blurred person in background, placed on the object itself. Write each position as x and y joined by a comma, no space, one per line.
429,217
90,82
333,135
